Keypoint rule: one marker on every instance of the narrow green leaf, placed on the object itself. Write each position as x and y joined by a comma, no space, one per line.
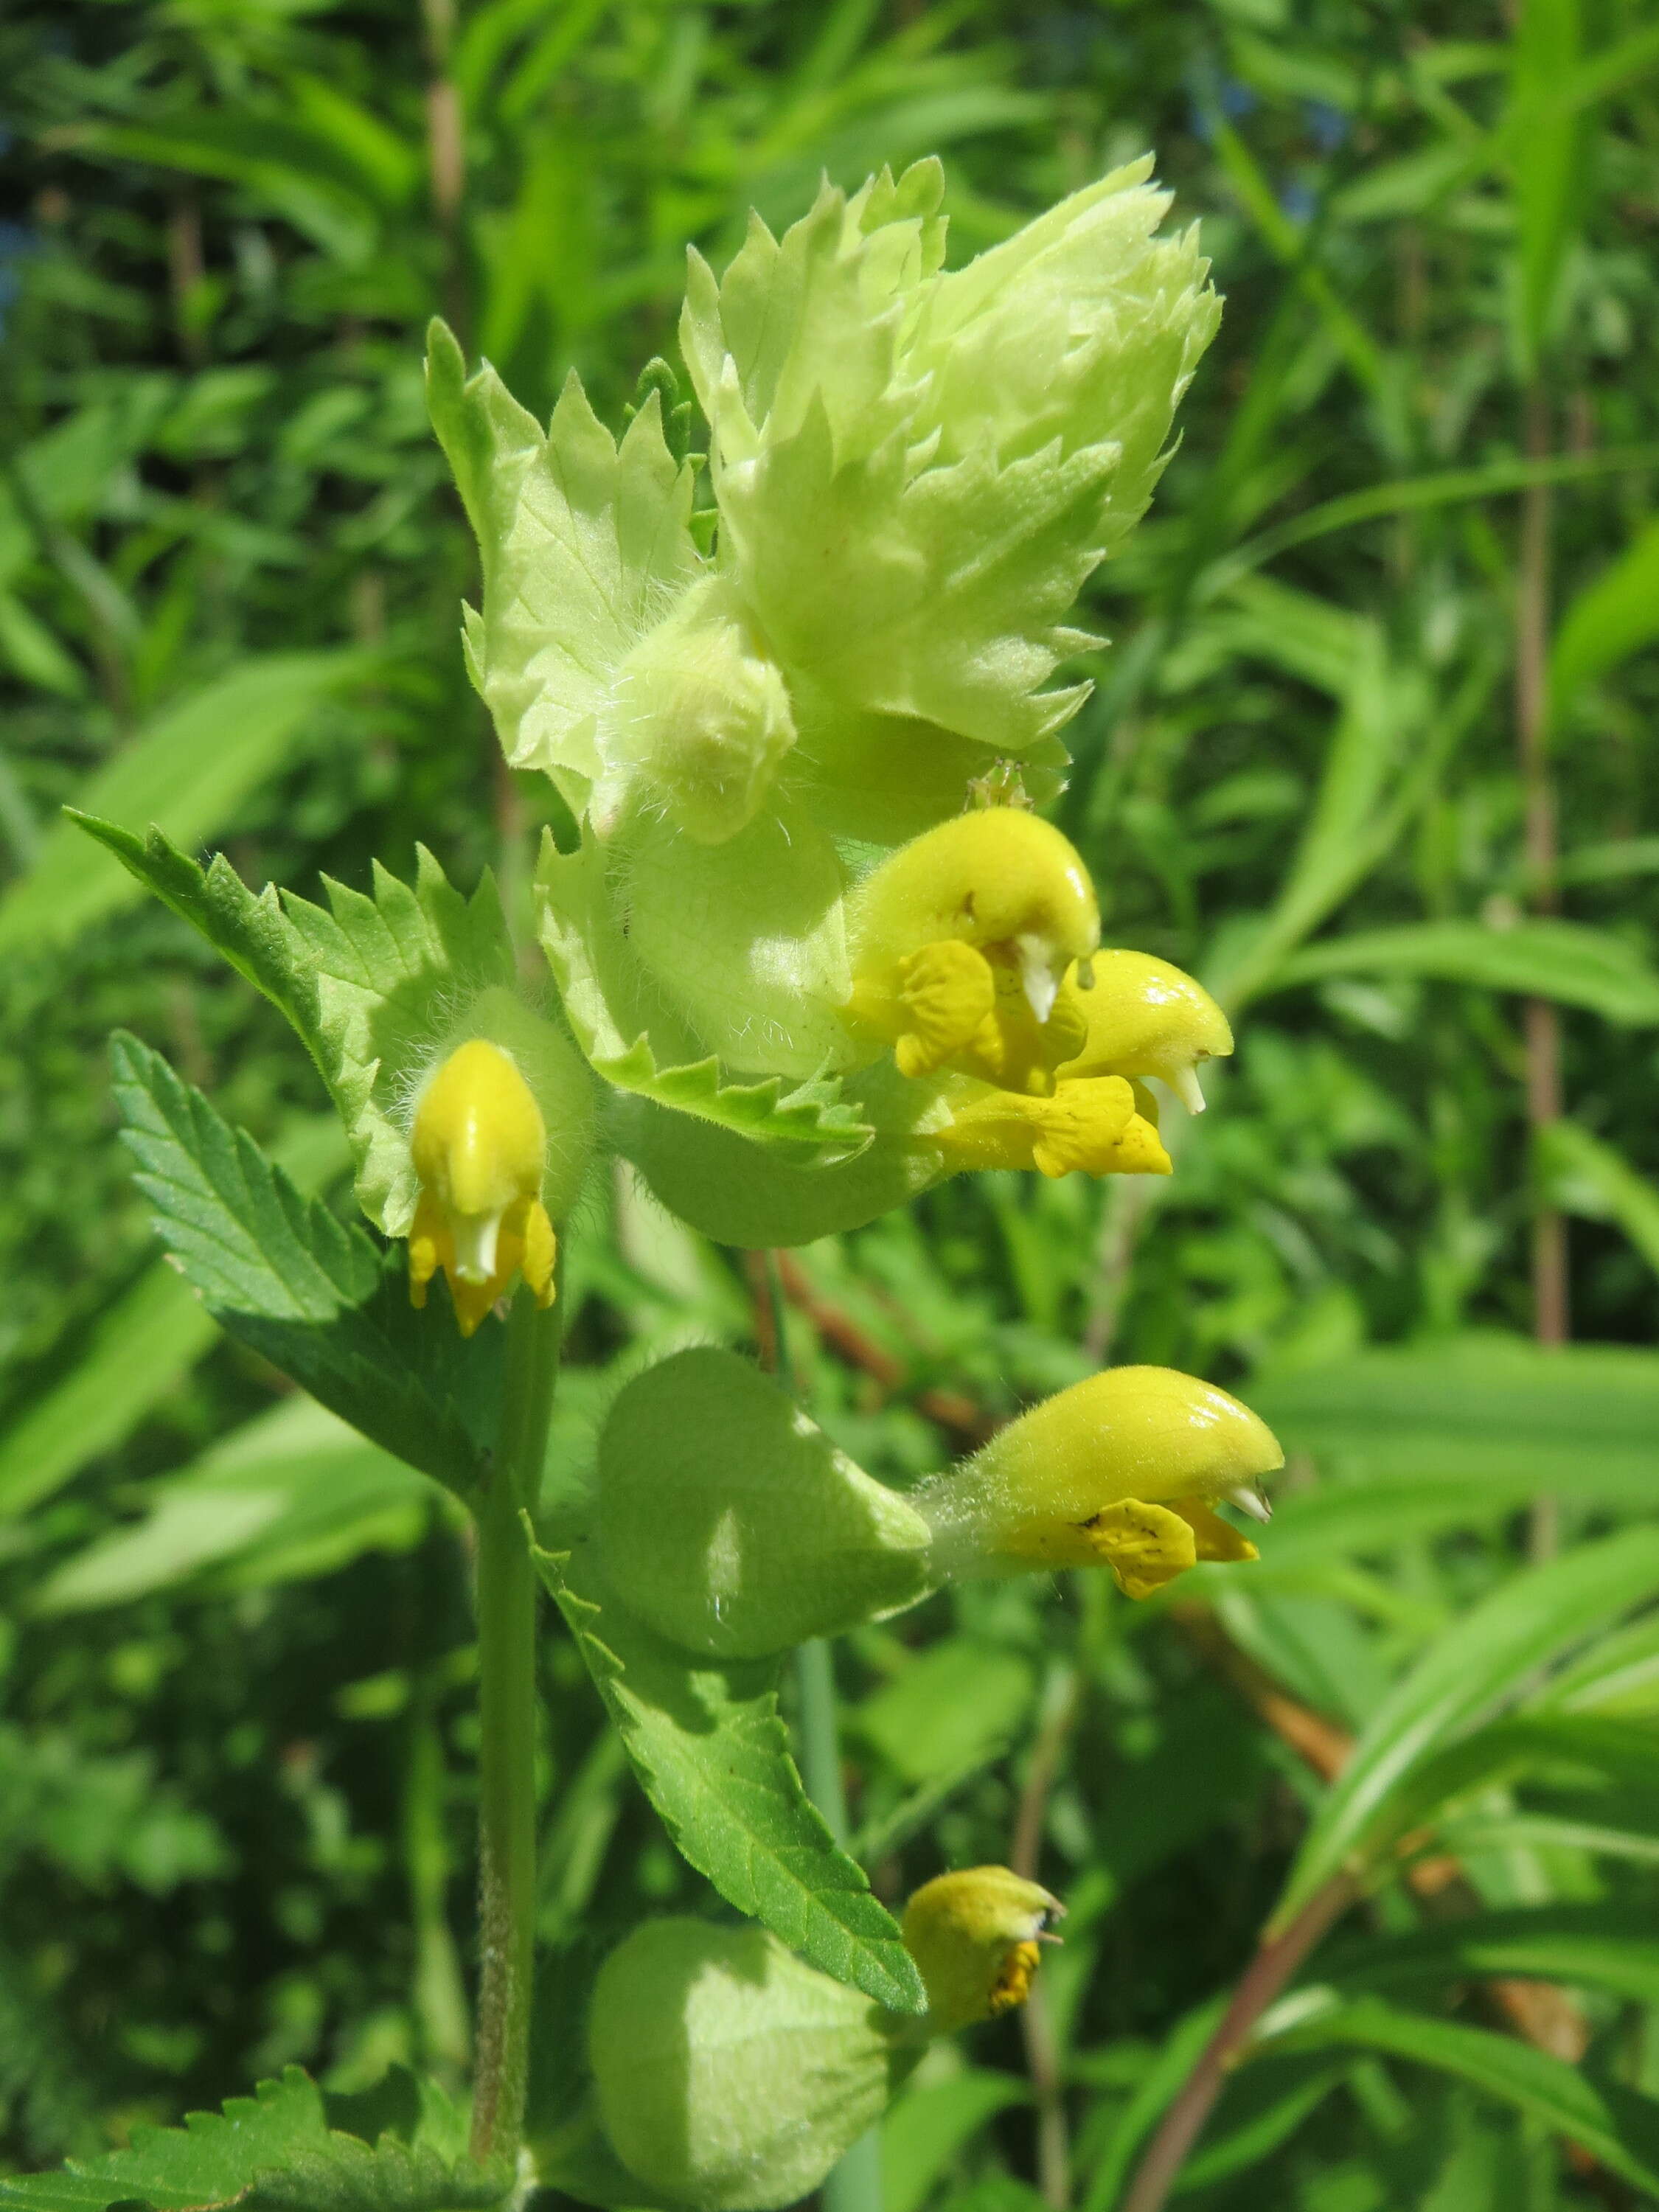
1585,1175
1476,1411
1543,137
1488,1655
928,2126
132,1355
1560,960
293,1493
313,1297
713,1756
188,771
1614,616
1618,2128
1587,1946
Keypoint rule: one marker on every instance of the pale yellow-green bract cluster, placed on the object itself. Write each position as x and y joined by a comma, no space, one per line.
812,936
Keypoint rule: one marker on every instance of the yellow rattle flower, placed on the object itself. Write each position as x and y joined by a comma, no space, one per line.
1102,1124
479,1145
960,942
974,1935
1124,1470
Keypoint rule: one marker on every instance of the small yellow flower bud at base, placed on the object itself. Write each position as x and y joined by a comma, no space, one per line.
960,942
974,1935
479,1147
1123,1471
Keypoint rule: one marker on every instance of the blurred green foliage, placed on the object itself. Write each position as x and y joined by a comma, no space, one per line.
234,1761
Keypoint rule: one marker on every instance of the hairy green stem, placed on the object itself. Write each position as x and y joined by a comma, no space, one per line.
855,2184
506,1734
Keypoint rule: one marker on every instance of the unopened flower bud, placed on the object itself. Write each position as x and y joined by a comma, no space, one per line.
729,2076
697,721
1124,1470
974,1935
479,1145
959,943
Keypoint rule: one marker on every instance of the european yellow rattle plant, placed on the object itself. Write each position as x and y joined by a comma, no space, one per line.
815,949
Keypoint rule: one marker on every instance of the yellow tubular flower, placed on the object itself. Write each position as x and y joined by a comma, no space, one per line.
974,1935
1142,1017
1095,1125
1123,1471
960,942
479,1147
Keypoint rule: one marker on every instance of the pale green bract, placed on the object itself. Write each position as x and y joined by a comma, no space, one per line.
916,472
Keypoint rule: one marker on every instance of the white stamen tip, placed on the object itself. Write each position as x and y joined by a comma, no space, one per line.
1036,974
1184,1082
1250,1497
476,1236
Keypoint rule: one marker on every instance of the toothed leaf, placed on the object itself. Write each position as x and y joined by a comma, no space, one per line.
272,2152
713,1756
637,1023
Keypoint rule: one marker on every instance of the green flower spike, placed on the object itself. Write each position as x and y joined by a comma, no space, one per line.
915,473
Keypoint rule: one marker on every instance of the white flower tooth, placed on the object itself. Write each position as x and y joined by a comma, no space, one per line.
1184,1082
476,1236
1250,1497
1037,975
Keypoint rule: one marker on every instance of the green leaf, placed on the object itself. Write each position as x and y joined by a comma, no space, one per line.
1615,615
292,1493
620,1023
130,1356
1561,960
296,172
583,545
926,2128
245,927
1585,1175
1544,138
189,770
713,1756
1564,1751
315,1299
1488,1656
1158,2086
1618,2128
1471,1411
272,2152
1596,1947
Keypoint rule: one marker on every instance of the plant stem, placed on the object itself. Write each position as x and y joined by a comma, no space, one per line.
1043,2054
1550,1318
1265,1977
855,2184
506,1733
